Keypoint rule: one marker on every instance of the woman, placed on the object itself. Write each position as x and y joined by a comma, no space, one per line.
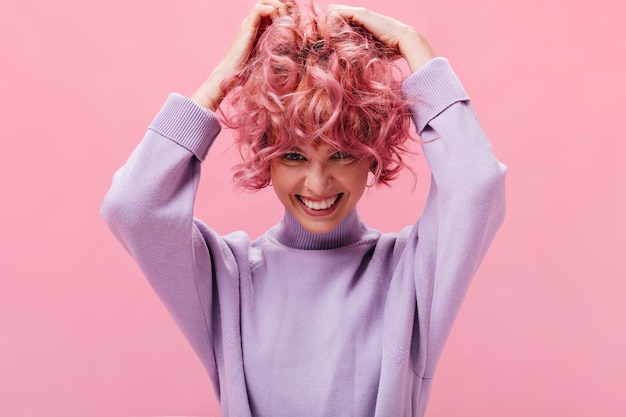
322,315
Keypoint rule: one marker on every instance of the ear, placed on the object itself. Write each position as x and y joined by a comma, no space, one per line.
374,167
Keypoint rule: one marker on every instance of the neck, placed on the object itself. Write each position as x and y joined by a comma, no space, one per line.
290,233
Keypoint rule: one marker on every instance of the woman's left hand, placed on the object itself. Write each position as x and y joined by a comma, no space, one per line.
391,32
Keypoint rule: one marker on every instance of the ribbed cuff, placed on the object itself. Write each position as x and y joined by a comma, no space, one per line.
187,124
432,89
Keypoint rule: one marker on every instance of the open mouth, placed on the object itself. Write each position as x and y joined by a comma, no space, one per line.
320,205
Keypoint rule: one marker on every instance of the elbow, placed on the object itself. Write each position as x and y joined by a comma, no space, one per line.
112,211
119,212
109,211
491,195
124,219
481,196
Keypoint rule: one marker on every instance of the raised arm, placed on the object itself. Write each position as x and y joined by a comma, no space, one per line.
149,206
465,206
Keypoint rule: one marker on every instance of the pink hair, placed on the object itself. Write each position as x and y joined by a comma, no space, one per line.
313,78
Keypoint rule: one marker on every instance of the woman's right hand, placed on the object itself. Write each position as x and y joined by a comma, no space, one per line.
210,95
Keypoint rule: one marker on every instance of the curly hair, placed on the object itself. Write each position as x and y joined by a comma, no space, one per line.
314,78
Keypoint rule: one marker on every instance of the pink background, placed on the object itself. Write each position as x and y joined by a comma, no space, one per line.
542,332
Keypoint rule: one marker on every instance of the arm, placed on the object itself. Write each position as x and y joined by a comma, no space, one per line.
149,206
465,205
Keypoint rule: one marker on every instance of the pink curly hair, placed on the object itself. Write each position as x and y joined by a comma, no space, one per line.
316,78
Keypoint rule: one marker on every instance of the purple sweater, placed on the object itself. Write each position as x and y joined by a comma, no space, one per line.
348,323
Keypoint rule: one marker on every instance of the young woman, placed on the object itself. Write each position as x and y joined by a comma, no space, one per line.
321,316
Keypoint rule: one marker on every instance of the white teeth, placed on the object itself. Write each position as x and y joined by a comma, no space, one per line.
320,205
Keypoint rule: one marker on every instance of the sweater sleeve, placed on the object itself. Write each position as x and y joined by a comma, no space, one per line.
465,205
149,208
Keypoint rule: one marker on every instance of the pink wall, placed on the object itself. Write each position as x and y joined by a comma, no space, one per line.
542,332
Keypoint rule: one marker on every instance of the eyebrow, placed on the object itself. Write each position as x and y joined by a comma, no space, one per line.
332,151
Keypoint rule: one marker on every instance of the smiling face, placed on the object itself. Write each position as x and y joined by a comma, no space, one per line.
319,186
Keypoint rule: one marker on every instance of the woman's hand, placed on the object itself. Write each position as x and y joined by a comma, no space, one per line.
391,32
209,95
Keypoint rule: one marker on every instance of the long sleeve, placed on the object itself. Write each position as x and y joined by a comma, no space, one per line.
349,330
464,209
149,208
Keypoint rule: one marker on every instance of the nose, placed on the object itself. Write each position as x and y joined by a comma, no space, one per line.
318,178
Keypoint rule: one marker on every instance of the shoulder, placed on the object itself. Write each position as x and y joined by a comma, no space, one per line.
393,244
235,244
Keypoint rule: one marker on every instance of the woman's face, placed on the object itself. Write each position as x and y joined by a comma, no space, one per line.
319,185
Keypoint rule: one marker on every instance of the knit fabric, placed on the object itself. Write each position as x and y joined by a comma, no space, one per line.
346,323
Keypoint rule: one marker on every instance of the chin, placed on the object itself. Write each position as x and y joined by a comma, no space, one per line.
319,227
319,230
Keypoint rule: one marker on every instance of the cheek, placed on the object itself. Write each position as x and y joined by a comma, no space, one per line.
359,177
282,181
276,173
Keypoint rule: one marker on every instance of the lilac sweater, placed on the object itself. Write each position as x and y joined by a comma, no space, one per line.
348,323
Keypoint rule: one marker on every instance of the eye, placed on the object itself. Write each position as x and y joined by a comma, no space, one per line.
342,155
293,156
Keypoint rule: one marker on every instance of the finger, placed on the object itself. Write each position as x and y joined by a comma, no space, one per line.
354,14
273,8
264,9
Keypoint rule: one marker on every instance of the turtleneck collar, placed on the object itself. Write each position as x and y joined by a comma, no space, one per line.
290,233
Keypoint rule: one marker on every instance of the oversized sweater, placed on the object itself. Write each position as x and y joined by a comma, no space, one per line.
346,323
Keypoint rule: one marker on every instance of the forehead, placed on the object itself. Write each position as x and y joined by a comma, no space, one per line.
316,147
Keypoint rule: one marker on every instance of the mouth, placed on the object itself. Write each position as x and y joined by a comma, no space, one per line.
319,207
